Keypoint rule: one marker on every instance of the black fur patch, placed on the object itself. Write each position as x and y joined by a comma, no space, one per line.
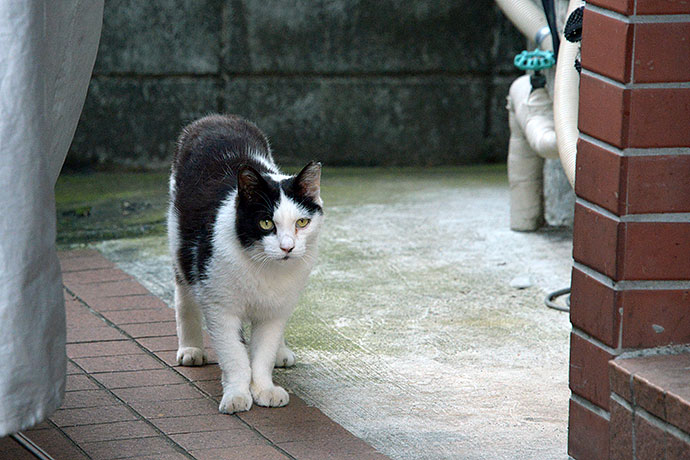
211,155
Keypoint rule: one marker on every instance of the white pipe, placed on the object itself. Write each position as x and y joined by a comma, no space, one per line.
529,19
566,101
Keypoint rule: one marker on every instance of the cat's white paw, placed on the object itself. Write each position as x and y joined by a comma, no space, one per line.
191,356
274,396
285,357
235,401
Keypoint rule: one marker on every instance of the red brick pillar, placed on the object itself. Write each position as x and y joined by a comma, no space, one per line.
631,277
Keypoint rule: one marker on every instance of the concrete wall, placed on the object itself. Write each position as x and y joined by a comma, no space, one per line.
358,82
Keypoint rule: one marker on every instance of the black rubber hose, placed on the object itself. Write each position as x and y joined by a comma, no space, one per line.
549,300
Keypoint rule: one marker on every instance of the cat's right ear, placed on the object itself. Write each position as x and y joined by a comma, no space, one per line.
249,183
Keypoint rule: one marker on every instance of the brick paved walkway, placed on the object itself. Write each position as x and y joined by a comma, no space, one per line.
127,398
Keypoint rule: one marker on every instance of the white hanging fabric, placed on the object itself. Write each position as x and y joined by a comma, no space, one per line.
47,52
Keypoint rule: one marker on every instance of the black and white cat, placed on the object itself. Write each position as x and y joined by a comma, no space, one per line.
243,238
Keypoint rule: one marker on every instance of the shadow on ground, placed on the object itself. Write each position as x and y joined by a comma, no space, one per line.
408,334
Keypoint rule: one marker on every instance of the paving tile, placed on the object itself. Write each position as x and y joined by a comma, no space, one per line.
332,449
74,264
264,452
211,387
200,373
90,416
177,408
303,431
72,369
198,423
94,276
97,349
218,439
132,302
143,378
140,361
128,287
93,334
87,398
158,393
166,343
165,328
111,431
79,317
80,382
129,448
11,450
150,315
56,444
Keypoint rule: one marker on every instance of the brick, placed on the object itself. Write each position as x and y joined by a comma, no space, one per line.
212,387
177,408
596,240
589,374
240,453
594,308
97,349
303,431
110,431
134,302
135,362
94,276
93,334
620,6
79,317
125,448
662,7
649,396
143,378
620,380
332,449
650,441
164,328
678,409
89,416
158,393
598,176
657,184
660,50
655,318
149,315
607,46
620,432
588,433
676,449
75,264
656,251
658,117
604,111
218,439
87,398
198,423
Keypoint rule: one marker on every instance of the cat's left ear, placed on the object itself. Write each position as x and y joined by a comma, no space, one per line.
308,181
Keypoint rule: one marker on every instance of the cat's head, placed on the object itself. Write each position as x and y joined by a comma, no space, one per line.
279,217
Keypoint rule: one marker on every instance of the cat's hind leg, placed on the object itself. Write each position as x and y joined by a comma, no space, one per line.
285,357
267,336
190,338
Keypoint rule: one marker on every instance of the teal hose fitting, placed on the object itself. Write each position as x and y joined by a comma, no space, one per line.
534,60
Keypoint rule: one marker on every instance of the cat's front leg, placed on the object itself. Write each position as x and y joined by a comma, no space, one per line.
267,336
225,331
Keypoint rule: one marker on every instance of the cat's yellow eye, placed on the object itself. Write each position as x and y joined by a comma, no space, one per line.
266,224
301,223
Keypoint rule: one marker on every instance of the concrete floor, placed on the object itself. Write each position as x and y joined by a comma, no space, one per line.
409,334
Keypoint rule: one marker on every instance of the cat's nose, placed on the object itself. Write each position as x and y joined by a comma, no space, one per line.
287,244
